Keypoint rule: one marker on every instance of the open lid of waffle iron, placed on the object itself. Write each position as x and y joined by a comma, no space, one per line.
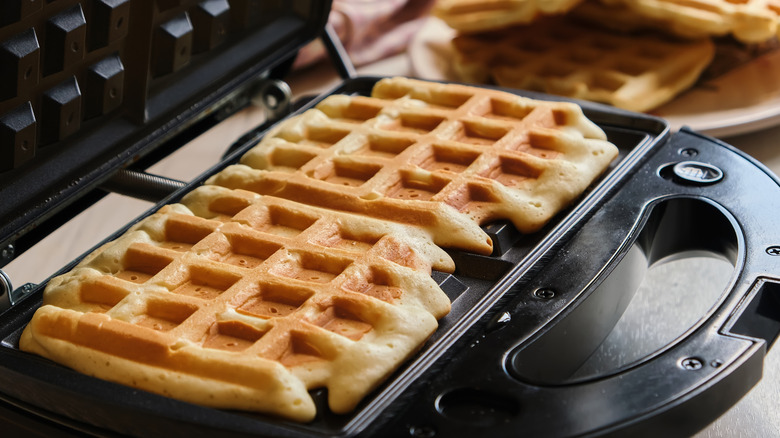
92,87
537,341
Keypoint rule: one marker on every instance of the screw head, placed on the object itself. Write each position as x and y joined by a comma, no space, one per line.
689,152
544,293
691,364
422,432
773,250
8,252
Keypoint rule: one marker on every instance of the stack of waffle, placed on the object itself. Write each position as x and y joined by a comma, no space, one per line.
633,54
308,264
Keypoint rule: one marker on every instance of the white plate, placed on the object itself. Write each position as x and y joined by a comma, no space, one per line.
746,99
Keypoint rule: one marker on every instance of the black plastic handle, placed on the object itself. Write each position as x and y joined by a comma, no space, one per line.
515,376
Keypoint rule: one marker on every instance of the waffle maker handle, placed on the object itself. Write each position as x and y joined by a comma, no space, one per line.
513,376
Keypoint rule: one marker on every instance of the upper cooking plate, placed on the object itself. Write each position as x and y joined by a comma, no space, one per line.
91,86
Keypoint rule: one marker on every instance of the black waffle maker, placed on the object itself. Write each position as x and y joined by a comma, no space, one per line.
543,338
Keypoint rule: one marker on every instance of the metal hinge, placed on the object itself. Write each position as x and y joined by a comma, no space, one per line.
275,97
9,296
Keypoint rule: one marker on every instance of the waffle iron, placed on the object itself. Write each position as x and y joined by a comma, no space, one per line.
536,342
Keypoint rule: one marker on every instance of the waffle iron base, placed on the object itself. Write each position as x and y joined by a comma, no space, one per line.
526,346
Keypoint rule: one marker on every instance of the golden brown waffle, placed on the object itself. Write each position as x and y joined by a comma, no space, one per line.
619,17
482,15
246,304
750,21
442,157
558,56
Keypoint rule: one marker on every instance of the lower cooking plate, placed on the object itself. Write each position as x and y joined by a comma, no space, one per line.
516,353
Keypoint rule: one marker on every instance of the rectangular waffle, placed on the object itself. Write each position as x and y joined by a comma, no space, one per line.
749,21
315,271
443,157
563,57
246,304
482,15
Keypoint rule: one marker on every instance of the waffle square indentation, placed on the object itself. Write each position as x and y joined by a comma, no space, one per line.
229,206
311,267
448,159
182,232
417,122
232,336
503,109
346,173
470,196
479,133
142,262
377,283
385,146
417,187
206,283
343,318
344,239
511,171
103,294
274,300
247,251
301,349
289,158
162,315
285,223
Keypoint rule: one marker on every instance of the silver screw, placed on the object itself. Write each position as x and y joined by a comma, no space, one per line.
7,253
544,293
692,364
773,250
422,432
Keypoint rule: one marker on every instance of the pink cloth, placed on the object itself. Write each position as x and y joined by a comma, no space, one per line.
370,30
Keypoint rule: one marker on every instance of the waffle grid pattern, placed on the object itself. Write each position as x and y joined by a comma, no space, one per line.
419,152
262,283
633,72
